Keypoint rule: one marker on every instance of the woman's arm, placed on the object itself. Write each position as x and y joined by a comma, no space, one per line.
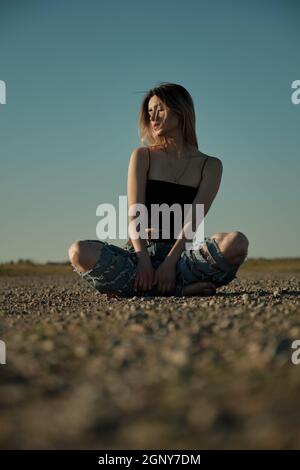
206,194
136,188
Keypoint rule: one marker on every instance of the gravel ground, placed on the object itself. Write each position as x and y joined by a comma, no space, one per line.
86,371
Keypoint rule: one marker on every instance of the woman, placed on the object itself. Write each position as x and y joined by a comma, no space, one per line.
170,169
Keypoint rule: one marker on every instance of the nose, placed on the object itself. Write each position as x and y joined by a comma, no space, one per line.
154,115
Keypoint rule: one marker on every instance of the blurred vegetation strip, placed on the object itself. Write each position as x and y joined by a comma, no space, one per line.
24,267
271,265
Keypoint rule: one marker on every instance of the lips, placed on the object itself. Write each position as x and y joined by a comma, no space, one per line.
155,126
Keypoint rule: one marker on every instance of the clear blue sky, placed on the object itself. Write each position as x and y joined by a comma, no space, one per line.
74,70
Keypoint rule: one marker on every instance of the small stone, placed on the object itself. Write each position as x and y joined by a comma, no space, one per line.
136,328
48,345
224,324
295,332
177,357
80,351
261,305
276,293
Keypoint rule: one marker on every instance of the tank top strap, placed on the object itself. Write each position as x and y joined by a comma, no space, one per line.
149,161
202,170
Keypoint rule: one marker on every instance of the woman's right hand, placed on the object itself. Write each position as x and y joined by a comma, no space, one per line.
146,274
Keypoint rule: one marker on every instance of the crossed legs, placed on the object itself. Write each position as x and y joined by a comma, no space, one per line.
234,246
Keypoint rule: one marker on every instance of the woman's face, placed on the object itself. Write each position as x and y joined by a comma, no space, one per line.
162,119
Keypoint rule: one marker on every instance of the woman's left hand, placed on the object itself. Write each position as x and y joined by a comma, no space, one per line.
165,276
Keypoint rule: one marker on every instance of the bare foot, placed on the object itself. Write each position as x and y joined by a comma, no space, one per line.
199,288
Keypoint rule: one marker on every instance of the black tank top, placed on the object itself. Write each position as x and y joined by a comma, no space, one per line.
159,192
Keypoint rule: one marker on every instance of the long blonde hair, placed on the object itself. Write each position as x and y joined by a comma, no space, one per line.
178,99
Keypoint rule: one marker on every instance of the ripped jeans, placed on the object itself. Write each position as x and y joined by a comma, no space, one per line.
115,270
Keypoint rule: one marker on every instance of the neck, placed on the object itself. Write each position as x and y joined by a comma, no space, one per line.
176,146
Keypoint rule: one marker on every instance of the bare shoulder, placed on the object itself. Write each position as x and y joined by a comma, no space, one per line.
211,169
203,156
140,152
139,161
211,162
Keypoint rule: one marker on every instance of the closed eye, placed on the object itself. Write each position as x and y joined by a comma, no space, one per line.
160,110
